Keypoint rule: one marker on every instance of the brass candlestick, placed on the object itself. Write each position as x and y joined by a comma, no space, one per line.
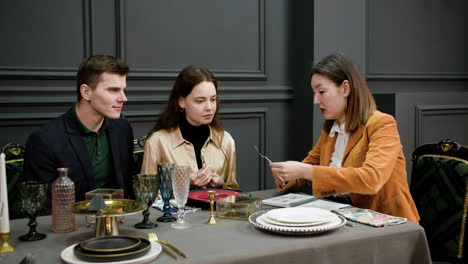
5,247
212,220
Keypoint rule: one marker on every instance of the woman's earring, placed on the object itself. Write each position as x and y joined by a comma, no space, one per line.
182,109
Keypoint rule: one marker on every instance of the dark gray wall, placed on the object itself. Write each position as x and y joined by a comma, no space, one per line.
413,54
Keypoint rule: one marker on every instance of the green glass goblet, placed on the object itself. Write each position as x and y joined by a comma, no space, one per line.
33,195
145,188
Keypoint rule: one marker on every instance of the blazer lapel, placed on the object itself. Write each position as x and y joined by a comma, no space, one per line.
353,139
328,149
114,147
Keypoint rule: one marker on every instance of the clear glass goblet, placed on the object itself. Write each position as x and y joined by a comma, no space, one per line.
181,186
165,188
146,188
33,195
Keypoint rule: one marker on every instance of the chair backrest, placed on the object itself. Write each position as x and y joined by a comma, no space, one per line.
439,185
14,154
138,145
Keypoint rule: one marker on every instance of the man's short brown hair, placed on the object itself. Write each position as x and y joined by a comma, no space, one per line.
91,69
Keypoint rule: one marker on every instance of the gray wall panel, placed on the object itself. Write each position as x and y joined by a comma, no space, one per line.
417,39
339,26
160,38
44,38
410,122
437,122
104,30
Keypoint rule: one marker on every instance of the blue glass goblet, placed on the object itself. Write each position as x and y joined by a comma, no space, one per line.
165,188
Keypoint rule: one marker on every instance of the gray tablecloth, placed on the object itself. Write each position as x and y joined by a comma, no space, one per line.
234,241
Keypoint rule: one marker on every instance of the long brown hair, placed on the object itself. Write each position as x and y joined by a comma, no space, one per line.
360,102
188,78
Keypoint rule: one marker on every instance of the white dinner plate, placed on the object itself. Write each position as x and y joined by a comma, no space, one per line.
274,222
257,220
68,256
300,215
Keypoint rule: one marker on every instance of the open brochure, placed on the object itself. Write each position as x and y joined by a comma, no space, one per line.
289,200
369,217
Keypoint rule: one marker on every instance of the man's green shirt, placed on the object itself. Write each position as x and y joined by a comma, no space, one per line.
99,152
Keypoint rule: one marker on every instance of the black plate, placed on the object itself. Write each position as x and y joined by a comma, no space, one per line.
110,244
137,251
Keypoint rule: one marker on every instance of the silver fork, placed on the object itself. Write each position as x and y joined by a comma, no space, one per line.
260,154
265,157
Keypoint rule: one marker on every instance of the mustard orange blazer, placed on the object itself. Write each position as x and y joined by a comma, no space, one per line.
373,169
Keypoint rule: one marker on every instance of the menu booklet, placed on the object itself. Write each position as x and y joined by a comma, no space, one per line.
289,200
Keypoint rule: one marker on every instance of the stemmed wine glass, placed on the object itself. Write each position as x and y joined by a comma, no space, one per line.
165,188
32,198
145,188
181,185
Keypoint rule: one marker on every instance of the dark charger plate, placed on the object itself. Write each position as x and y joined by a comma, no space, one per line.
110,244
141,249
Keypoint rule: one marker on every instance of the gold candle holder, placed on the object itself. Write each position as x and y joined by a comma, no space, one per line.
6,247
212,220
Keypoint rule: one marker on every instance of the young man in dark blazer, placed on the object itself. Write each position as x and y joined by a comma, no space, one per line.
91,139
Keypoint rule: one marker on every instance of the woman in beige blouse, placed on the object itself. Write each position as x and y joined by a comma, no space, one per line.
189,133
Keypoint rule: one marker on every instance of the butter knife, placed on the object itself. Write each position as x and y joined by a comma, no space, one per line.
167,251
173,248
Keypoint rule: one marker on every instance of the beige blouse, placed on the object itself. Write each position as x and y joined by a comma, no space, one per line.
166,146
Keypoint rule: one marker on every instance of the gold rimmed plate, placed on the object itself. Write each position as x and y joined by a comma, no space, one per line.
111,244
138,251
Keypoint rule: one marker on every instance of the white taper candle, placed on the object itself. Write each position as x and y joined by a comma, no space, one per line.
5,218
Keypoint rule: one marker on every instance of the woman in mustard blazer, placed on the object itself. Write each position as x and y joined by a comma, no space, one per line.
359,151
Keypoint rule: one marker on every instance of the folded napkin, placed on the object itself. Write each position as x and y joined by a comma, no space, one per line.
369,217
158,204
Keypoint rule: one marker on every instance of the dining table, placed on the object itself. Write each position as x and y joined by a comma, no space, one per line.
238,241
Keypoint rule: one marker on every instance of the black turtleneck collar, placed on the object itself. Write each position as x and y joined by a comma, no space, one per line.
197,135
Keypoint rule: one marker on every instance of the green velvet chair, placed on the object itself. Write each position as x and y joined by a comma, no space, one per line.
138,145
14,154
439,184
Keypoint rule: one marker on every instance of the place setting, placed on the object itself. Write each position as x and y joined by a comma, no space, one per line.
297,220
112,249
109,246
